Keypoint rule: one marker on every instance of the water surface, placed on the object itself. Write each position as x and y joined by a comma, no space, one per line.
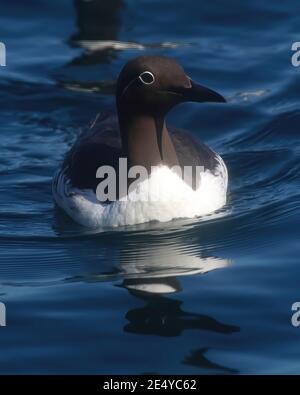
202,296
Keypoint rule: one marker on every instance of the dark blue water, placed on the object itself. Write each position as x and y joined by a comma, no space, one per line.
73,298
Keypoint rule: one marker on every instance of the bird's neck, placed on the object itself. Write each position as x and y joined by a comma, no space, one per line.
146,141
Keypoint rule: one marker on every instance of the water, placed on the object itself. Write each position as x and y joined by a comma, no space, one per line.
73,297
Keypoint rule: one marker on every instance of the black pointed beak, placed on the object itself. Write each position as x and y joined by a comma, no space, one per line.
199,93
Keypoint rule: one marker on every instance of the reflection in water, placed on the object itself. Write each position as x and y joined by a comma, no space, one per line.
154,271
150,265
197,358
97,20
98,24
164,317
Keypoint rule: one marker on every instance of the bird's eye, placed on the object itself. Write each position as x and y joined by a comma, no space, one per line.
147,78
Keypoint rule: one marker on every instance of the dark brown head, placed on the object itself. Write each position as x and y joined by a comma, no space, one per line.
155,84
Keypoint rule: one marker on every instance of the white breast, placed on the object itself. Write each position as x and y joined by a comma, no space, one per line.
170,198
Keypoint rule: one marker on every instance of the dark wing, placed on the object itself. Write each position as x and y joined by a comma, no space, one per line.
98,145
192,152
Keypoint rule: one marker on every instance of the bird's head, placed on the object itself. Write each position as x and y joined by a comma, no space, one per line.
155,84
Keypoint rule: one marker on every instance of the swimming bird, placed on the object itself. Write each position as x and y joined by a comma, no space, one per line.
148,87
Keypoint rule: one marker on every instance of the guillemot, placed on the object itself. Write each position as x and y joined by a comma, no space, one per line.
148,87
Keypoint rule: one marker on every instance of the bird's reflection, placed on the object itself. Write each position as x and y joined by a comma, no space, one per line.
147,265
156,274
164,316
97,21
151,266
